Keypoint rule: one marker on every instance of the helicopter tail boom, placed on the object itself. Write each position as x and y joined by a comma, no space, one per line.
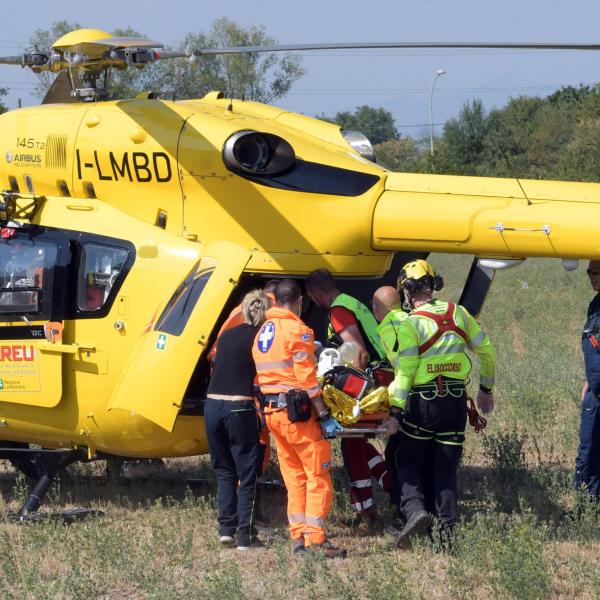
487,216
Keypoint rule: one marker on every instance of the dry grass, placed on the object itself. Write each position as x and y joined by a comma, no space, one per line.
520,536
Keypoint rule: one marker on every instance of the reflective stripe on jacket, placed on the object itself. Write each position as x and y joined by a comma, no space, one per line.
366,321
284,354
388,334
446,357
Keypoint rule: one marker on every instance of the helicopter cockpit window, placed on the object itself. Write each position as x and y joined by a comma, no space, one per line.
26,277
99,268
179,308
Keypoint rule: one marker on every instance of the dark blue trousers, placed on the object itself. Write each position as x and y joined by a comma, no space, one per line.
587,464
232,429
427,459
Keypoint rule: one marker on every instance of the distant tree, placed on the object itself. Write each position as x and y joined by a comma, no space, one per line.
263,77
3,107
570,95
580,160
398,155
463,140
126,83
376,123
42,40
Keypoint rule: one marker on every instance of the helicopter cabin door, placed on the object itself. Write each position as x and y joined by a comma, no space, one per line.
32,282
155,379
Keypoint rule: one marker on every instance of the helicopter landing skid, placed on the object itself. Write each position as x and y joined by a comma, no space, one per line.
66,516
42,466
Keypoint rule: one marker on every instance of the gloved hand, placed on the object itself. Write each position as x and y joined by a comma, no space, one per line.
485,402
330,428
391,425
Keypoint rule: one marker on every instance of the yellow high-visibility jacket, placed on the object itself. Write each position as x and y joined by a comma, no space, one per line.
421,355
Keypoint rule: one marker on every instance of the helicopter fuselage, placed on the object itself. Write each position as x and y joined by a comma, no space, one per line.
149,223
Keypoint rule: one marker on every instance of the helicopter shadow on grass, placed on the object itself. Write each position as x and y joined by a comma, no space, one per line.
536,491
138,486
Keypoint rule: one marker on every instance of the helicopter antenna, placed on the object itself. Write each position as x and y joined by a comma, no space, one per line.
513,173
231,90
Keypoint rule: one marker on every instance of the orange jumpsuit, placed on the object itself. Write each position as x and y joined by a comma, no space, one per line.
284,355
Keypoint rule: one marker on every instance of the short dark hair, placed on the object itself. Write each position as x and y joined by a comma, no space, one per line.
321,280
270,286
287,291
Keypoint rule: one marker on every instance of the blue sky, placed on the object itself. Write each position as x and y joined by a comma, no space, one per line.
397,80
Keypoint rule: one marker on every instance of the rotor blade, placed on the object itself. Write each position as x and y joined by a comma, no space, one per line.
127,42
11,60
60,90
379,45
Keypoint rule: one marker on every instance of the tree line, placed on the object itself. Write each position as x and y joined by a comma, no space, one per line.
556,137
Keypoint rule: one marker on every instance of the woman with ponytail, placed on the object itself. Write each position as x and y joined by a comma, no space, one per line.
232,425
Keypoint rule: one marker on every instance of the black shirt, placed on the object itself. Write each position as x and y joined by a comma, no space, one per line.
234,370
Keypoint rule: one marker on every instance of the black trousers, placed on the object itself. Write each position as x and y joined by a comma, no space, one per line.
232,429
429,453
390,453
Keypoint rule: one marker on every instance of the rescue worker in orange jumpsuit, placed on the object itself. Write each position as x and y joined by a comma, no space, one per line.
283,352
352,321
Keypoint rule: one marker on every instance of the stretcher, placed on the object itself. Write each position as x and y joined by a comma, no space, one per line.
358,417
368,426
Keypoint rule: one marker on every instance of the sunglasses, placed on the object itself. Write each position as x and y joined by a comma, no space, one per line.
593,272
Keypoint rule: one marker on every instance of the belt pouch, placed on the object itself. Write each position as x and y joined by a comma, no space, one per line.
299,406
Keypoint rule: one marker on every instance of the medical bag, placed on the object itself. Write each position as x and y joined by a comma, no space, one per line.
351,381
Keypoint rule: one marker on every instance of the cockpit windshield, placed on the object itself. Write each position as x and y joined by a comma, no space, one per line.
26,277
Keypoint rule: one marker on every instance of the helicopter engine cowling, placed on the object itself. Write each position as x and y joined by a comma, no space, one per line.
259,154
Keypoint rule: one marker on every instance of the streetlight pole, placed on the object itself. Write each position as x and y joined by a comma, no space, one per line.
438,73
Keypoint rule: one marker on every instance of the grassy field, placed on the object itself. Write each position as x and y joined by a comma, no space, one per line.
520,536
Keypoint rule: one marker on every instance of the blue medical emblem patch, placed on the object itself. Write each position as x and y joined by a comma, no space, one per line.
266,336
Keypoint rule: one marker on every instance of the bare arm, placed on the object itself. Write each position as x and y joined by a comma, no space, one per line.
352,334
317,402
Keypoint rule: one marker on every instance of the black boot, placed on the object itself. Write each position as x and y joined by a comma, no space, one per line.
418,522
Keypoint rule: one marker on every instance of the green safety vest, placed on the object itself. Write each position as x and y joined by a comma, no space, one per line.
432,341
366,321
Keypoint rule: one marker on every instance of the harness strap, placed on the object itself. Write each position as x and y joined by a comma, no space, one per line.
445,322
476,421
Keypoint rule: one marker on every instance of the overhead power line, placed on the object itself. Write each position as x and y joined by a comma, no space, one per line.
420,91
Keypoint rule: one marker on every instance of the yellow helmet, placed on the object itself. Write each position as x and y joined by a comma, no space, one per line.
419,275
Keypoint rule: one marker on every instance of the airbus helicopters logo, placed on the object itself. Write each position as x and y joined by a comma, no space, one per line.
140,167
22,160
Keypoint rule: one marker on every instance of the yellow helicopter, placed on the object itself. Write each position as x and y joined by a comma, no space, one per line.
130,228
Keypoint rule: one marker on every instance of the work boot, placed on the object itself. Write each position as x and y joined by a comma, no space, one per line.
365,517
328,550
245,545
418,522
298,548
226,540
